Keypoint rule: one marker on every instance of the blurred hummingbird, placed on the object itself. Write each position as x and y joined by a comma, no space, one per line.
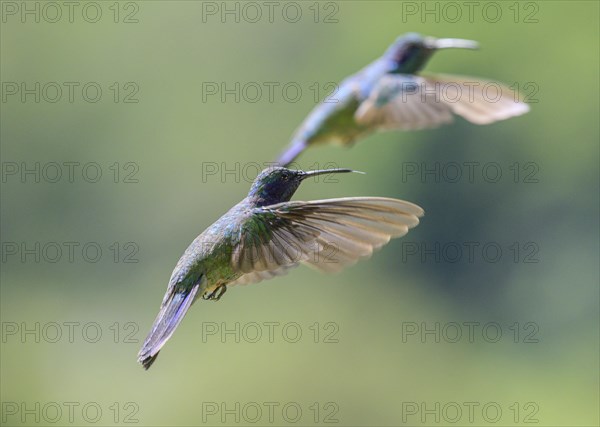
266,234
389,94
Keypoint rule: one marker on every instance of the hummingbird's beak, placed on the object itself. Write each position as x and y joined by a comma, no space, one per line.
327,171
452,44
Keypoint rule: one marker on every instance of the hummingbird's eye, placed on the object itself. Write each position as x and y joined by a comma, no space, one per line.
285,176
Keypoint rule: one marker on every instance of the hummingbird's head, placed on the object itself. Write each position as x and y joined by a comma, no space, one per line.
277,184
410,52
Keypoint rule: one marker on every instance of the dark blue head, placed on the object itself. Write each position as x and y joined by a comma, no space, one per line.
410,52
277,184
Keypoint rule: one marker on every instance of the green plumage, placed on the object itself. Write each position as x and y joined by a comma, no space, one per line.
265,235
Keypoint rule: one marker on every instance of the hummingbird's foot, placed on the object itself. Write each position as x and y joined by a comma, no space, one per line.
216,294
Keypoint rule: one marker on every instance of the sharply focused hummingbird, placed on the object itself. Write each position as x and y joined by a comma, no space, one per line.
389,94
266,234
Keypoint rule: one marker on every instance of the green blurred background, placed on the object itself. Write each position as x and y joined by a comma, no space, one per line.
376,370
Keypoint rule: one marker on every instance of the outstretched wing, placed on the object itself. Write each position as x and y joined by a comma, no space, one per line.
324,234
413,102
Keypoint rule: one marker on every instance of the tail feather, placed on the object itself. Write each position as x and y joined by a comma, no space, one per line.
171,313
292,151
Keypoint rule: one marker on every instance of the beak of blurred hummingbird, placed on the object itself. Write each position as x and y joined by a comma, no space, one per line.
327,171
434,43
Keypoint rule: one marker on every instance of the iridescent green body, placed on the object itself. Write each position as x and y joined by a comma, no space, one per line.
208,258
266,234
206,268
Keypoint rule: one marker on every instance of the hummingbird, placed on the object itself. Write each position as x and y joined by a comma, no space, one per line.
266,234
391,94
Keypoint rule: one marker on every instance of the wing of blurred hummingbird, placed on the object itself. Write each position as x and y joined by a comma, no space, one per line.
406,102
324,234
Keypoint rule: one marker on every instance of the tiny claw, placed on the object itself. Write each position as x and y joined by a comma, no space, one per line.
221,290
216,294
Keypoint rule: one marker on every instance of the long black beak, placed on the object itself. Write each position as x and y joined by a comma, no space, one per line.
434,43
327,171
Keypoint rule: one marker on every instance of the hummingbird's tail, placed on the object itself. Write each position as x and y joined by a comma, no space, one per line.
292,151
172,311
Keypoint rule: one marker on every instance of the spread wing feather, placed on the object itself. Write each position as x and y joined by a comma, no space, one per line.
324,234
413,102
